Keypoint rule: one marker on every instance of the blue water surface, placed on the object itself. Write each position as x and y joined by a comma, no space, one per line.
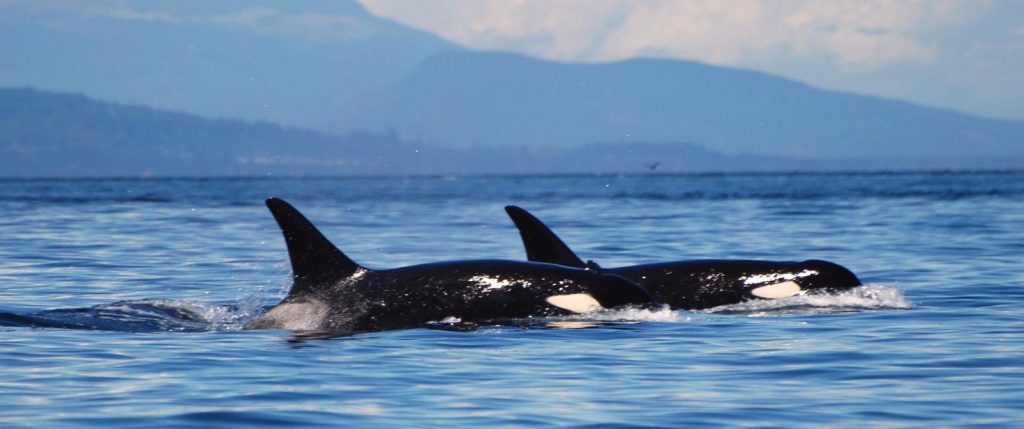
122,304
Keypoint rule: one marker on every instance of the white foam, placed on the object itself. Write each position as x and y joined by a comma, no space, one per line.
867,297
218,317
627,314
228,318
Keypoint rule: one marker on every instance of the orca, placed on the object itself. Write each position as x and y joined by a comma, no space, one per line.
330,293
695,284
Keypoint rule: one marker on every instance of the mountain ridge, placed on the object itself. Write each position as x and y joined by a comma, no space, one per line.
466,98
296,63
46,134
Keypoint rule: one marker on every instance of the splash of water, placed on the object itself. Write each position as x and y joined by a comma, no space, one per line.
616,316
144,315
169,315
866,297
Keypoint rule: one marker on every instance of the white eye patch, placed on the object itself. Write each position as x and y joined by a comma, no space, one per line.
576,303
776,290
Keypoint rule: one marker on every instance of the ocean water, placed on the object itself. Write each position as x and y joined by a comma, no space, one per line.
122,304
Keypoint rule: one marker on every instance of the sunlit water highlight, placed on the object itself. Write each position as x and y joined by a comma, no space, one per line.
122,303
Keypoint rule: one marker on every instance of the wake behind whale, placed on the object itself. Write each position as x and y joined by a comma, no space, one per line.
186,316
144,315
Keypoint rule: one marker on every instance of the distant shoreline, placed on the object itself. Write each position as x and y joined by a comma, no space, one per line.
270,177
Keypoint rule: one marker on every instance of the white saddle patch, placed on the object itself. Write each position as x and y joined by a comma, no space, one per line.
777,290
304,316
576,302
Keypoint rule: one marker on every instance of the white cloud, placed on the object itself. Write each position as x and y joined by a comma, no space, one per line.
724,32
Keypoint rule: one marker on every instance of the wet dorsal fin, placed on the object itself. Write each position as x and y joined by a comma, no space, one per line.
541,244
316,262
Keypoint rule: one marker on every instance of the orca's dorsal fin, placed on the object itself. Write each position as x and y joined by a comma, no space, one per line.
316,262
541,244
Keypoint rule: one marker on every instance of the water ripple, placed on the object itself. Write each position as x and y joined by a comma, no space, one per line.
933,339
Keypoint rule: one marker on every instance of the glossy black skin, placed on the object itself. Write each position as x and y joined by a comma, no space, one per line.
706,283
469,291
331,293
690,284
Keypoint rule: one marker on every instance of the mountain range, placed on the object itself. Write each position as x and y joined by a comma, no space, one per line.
465,98
46,134
298,63
191,87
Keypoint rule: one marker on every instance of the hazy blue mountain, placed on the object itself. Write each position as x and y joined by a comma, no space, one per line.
290,62
46,134
494,99
60,135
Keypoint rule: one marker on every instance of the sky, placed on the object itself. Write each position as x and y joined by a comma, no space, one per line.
966,55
